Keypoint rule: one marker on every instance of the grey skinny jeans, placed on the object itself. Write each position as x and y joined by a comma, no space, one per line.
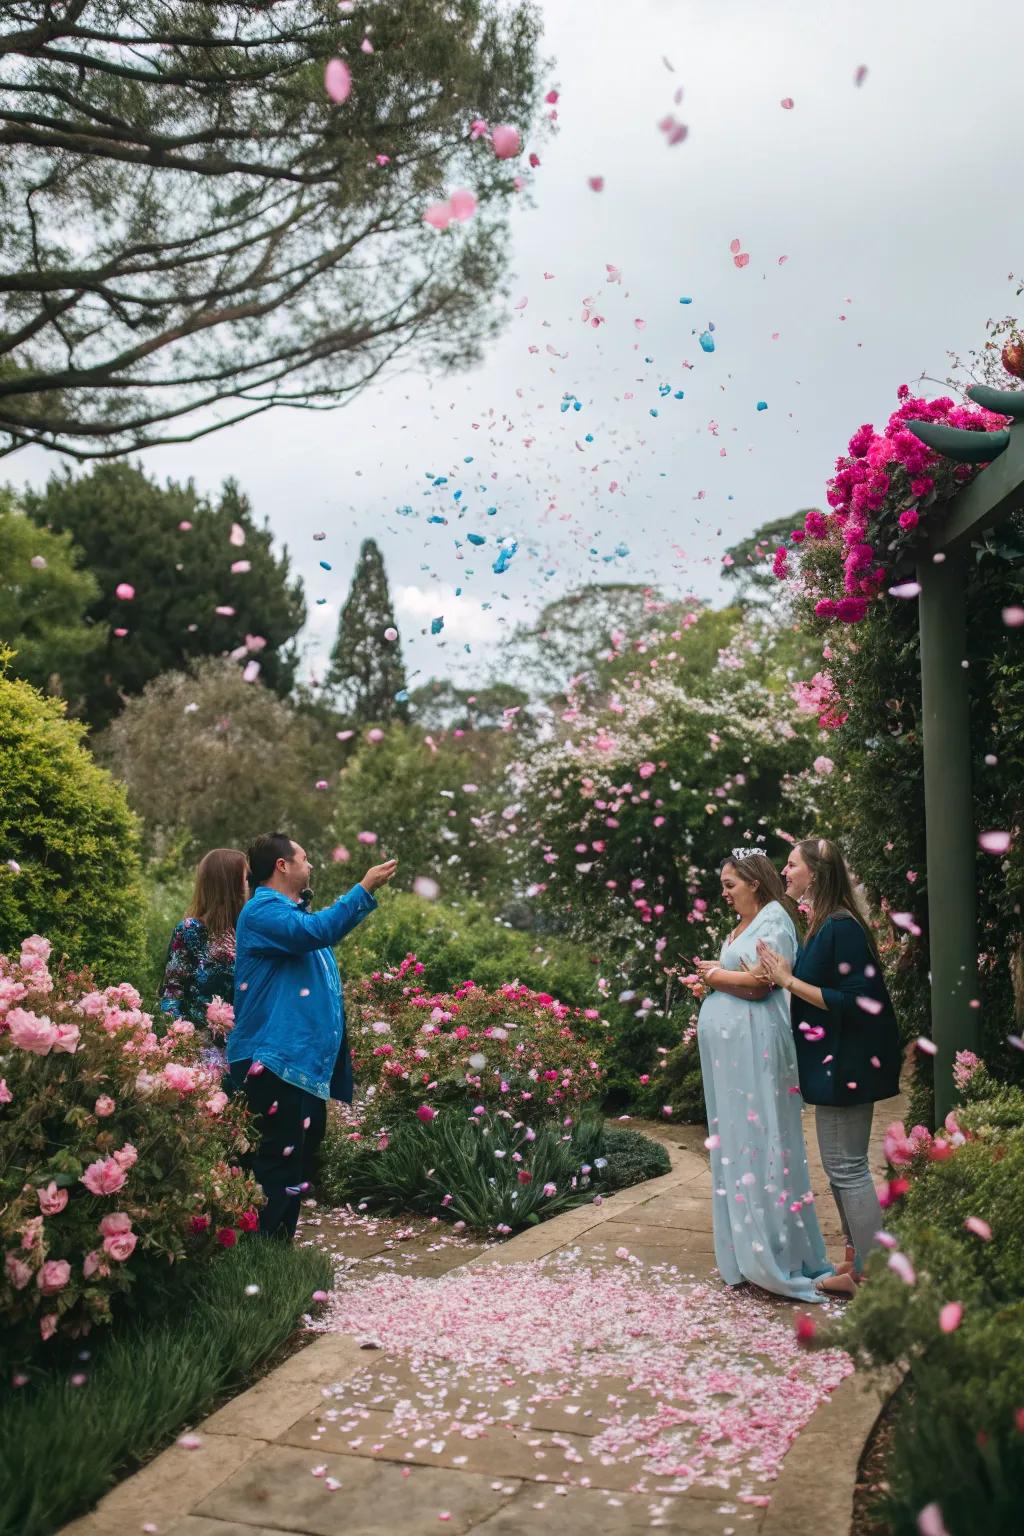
843,1133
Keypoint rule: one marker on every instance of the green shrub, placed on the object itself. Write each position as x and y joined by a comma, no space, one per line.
145,1381
675,1082
960,1436
415,1050
486,1170
69,860
167,892
118,1155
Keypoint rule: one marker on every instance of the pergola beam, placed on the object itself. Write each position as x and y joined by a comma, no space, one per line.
993,495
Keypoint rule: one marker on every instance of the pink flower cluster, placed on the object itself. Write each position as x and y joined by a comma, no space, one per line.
878,493
820,697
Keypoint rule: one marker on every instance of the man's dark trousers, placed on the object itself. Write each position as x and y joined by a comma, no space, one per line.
290,1124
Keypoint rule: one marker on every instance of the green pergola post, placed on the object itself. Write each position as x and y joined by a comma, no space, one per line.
949,814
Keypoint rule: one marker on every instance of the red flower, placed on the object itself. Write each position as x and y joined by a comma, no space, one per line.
524,1176
199,1223
227,1237
248,1221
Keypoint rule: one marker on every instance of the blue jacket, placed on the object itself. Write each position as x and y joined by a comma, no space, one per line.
289,1010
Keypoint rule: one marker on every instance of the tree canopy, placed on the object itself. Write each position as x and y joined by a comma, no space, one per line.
45,596
174,550
194,232
366,672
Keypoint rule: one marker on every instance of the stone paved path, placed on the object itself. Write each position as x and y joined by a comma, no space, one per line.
590,1374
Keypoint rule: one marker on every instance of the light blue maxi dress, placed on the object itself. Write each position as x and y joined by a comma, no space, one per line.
766,1229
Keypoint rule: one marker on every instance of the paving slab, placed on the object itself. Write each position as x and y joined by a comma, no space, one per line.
583,1512
279,1490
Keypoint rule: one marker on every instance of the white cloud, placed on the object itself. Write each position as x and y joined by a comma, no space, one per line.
464,619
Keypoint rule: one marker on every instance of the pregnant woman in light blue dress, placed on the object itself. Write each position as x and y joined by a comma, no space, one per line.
766,1229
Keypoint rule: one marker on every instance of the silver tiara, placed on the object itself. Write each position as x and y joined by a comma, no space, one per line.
744,853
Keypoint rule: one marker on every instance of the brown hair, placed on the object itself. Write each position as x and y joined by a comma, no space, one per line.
218,895
757,870
831,889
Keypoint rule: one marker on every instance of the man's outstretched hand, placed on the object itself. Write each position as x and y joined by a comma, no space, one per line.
379,875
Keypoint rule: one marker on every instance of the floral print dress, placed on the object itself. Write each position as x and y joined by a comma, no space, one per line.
200,968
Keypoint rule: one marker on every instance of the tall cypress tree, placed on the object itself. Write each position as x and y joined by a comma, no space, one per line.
367,672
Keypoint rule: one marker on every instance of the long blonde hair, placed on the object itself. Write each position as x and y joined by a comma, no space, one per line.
831,888
757,870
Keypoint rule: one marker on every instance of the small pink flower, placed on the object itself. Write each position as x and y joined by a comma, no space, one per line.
68,1038
31,1032
425,1113
182,1079
115,1224
52,1200
104,1177
127,1157
6,1096
120,1246
104,1106
18,1272
220,1015
53,1276
48,1326
217,1102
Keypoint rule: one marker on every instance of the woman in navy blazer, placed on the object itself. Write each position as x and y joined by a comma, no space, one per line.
847,1039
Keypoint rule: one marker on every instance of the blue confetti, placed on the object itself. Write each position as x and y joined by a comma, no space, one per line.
437,518
707,341
680,394
325,565
762,405
686,301
441,480
504,559
477,538
577,405
436,625
622,550
320,601
402,696
589,437
468,459
492,511
664,389
652,411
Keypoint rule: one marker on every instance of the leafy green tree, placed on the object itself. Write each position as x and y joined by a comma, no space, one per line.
366,672
190,221
69,845
174,548
441,705
45,596
748,564
210,760
573,635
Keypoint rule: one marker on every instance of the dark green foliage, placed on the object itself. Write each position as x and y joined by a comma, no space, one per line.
675,1081
43,610
366,671
477,1162
191,225
874,802
66,823
958,1441
632,1159
127,527
148,1380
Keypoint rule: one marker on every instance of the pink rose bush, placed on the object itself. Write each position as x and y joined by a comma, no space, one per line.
508,1048
881,492
119,1152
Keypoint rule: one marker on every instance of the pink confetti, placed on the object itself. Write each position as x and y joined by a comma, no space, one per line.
861,74
124,591
787,103
506,141
462,204
1013,617
928,1047
994,842
901,1265
338,80
595,183
438,215
979,1228
950,1316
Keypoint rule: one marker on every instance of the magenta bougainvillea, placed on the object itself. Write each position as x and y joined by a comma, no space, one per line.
881,492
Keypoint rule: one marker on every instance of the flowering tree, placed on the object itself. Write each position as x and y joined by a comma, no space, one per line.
118,1150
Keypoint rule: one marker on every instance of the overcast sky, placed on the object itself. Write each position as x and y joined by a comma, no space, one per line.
898,205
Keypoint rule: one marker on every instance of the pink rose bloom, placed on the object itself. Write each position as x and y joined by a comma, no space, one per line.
10,992
116,1224
31,1032
52,1200
181,1079
92,1004
646,770
898,1147
104,1177
53,1276
48,1325
93,1264
823,765
36,946
18,1272
120,1246
217,1103
220,1015
68,1038
127,1157
104,1106
6,1096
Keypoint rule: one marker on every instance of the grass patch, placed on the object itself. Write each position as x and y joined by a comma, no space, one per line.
62,1447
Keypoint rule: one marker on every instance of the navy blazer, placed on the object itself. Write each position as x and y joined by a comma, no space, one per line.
849,1052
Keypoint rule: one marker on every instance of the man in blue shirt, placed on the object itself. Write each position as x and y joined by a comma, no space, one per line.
287,1051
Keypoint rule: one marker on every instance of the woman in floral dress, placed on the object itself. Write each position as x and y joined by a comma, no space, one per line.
199,979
